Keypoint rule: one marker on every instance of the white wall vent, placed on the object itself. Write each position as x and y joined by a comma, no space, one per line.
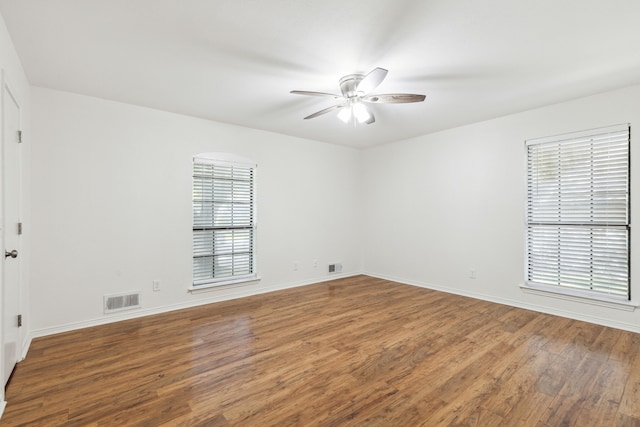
121,302
335,268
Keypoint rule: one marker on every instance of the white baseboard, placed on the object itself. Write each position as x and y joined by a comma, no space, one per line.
25,345
533,307
209,297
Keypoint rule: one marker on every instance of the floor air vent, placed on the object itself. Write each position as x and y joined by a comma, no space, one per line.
121,302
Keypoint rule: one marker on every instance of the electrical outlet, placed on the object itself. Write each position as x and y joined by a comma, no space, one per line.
295,266
315,263
156,285
472,274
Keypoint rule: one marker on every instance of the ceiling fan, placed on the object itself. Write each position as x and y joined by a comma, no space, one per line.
356,90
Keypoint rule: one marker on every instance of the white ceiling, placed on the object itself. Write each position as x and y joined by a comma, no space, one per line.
235,61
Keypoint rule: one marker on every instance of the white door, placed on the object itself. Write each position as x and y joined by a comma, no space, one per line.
11,260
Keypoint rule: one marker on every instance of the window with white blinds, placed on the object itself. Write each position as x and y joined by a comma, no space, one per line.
224,231
577,211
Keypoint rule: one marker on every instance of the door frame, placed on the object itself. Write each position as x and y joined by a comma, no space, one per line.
3,402
7,91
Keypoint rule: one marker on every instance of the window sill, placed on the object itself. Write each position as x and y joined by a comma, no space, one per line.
578,296
226,284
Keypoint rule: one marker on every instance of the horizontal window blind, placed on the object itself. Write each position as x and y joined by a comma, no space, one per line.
577,211
223,221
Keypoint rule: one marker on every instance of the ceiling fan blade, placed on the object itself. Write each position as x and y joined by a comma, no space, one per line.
372,80
394,98
325,111
324,94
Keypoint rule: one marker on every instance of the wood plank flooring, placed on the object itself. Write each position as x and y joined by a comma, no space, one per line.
352,352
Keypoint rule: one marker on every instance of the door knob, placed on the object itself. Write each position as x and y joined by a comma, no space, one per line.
12,254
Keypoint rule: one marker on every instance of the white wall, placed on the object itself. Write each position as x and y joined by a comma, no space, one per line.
111,207
17,81
440,205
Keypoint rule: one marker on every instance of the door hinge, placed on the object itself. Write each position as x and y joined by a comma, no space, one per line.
19,137
19,228
19,320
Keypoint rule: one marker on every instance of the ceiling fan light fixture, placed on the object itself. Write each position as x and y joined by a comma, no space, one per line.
361,113
345,114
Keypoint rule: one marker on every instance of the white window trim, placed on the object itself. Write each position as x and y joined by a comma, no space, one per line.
577,295
231,159
217,285
566,293
228,158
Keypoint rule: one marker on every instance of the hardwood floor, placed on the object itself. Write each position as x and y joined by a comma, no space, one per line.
356,351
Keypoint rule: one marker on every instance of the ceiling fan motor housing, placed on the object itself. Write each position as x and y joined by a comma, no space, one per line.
349,85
